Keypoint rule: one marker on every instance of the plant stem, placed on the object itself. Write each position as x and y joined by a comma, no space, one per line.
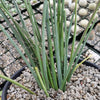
57,49
43,86
16,83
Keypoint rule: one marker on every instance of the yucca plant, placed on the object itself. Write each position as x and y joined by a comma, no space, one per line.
52,69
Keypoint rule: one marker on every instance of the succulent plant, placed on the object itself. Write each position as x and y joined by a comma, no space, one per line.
47,71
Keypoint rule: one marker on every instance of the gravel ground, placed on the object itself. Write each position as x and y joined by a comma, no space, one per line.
84,85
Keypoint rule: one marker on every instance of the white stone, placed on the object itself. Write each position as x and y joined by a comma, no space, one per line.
83,12
41,7
88,80
77,28
97,28
66,2
51,3
97,75
94,84
96,16
98,11
83,3
96,1
92,35
78,18
72,7
92,6
67,23
84,23
67,12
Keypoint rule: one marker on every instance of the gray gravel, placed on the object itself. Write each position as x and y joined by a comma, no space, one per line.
84,85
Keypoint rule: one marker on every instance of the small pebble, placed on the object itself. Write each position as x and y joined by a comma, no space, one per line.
72,7
96,16
92,6
83,12
92,35
84,23
67,23
83,3
97,28
67,12
77,29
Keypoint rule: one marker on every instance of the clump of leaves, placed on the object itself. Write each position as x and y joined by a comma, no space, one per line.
48,73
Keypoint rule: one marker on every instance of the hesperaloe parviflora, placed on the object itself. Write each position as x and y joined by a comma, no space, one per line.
50,72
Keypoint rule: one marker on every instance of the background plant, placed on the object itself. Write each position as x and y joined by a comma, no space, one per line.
47,72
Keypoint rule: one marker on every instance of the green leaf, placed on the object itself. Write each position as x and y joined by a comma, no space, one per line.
20,15
80,52
0,93
82,62
16,83
61,34
51,51
57,49
38,52
46,76
74,36
43,44
21,54
78,47
33,20
43,86
67,36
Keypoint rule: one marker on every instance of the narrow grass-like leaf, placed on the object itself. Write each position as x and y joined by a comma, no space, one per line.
46,76
74,36
71,21
51,51
57,51
3,3
72,71
19,34
0,93
67,36
61,38
51,17
43,86
21,54
9,24
51,85
66,47
66,43
82,39
16,83
20,15
15,32
30,11
82,62
43,44
24,36
83,36
58,17
75,67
